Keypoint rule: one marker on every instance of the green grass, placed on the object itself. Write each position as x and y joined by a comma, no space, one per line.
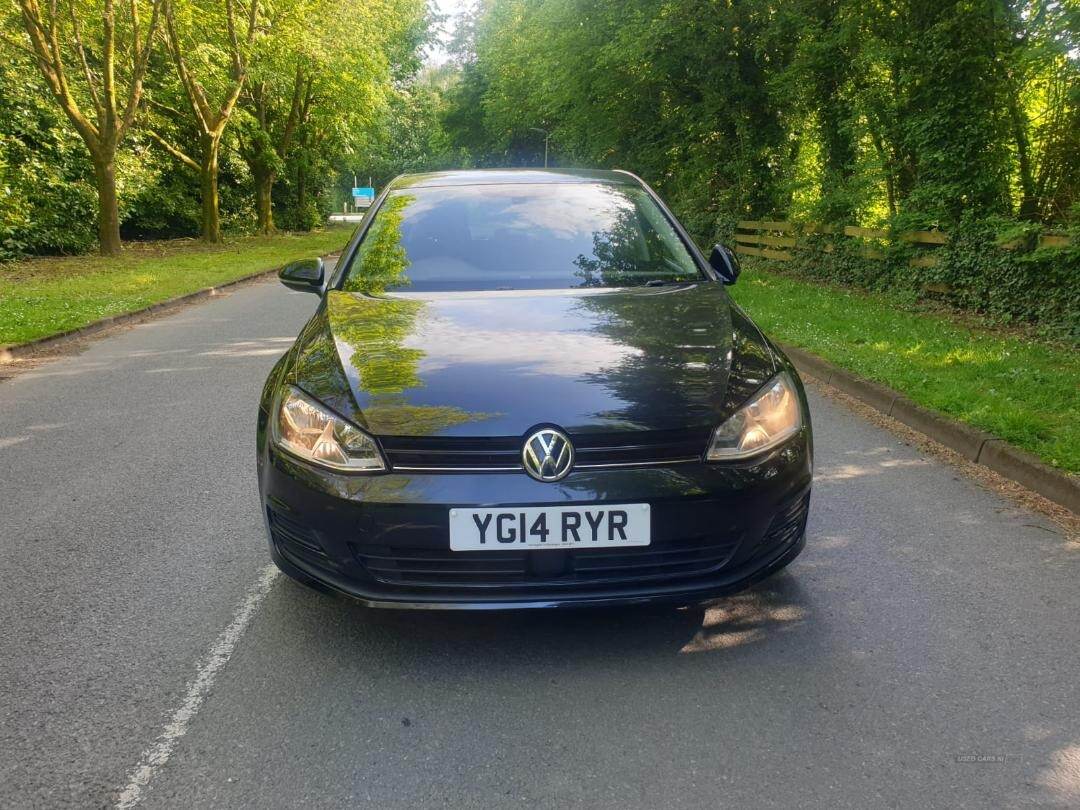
45,296
1024,391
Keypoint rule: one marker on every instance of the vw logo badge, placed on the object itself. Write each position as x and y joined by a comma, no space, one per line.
547,455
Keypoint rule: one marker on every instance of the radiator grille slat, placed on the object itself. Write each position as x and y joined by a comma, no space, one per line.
437,568
643,447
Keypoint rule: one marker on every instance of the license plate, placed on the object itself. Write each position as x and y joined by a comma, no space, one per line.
539,527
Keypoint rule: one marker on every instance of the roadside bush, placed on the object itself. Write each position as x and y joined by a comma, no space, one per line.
974,272
166,208
1025,283
46,206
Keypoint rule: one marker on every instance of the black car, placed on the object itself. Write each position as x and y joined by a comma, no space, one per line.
530,389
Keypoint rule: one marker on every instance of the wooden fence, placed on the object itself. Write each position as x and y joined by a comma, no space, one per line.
777,240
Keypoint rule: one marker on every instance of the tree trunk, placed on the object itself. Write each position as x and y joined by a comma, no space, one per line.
902,155
211,221
108,207
839,158
264,206
886,170
1029,201
301,198
830,72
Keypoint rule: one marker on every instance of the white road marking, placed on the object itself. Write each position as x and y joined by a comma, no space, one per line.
155,757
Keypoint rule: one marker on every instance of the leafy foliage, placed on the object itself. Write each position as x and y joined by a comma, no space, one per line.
1023,283
347,64
960,114
46,205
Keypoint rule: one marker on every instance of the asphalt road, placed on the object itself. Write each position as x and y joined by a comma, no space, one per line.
922,652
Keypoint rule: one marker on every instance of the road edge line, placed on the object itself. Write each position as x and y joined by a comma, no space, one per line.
154,758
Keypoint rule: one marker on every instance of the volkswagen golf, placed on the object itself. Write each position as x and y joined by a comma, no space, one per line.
527,389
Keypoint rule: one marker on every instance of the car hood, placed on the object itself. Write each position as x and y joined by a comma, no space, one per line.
499,363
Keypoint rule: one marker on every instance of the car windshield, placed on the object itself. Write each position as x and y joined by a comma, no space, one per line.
519,237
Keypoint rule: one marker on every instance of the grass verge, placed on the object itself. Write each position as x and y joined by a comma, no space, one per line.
45,296
1024,391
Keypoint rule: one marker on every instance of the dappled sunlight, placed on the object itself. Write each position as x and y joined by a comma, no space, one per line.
624,637
155,352
958,356
873,464
714,587
830,542
201,321
1061,777
873,451
905,462
264,347
744,619
68,371
172,369
237,352
842,473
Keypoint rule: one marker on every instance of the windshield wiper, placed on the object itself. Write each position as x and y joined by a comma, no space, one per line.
664,282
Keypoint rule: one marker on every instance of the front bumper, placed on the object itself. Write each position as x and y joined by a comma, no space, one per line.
384,539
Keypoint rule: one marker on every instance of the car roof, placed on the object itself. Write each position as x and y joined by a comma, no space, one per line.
486,177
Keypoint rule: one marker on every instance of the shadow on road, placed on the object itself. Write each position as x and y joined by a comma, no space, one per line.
753,617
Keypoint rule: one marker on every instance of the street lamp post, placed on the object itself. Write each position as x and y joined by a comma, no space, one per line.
546,135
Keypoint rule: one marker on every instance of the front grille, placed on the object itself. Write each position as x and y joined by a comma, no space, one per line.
421,566
498,453
442,568
449,452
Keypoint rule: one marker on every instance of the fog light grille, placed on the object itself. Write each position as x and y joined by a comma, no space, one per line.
788,526
296,539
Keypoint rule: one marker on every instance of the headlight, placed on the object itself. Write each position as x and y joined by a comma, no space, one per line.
306,429
772,416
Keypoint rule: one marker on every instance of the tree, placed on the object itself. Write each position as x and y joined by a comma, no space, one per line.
210,99
94,62
679,91
308,97
270,139
1042,58
822,77
295,47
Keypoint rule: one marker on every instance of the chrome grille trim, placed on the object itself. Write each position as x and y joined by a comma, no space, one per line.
519,468
593,451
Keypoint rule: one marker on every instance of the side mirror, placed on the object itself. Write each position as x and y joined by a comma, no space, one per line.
305,275
724,261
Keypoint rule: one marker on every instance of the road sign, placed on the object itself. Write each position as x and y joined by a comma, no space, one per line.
364,195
